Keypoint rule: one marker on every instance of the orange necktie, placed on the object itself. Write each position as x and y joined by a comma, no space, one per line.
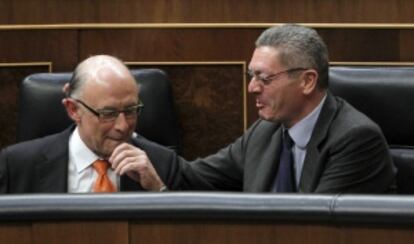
103,183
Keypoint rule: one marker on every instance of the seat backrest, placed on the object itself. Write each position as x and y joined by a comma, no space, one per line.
41,111
386,95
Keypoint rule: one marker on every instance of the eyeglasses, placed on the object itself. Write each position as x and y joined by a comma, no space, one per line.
109,115
267,79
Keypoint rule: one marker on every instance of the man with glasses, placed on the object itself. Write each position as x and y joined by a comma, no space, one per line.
306,140
100,153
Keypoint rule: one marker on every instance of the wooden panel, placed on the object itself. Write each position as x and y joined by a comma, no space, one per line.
57,46
238,233
212,11
227,44
305,233
43,11
174,45
209,102
80,232
193,45
347,11
4,11
362,235
361,44
10,79
205,231
15,233
406,50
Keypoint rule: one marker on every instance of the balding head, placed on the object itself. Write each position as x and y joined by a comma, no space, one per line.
95,68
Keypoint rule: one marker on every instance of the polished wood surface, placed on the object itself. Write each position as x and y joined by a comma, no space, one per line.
57,46
378,235
16,233
173,45
231,232
362,44
213,11
182,232
102,232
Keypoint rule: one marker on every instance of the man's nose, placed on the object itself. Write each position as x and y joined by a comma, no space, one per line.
254,85
121,122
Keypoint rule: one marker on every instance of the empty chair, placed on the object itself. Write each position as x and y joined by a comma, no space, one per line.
386,95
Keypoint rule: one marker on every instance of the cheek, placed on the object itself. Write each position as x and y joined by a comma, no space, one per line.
278,101
133,125
275,107
98,132
275,98
90,127
104,130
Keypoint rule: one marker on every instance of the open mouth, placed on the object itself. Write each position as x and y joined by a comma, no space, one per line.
259,104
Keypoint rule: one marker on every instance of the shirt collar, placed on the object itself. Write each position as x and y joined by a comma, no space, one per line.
79,153
302,131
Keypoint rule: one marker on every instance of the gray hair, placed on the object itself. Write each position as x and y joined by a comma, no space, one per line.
88,70
300,47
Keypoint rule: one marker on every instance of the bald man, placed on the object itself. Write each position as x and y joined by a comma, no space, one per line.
102,100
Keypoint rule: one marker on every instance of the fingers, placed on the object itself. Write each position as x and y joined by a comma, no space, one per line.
126,154
134,162
121,151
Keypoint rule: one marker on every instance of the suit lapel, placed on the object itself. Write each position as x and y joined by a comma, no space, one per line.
312,164
267,163
52,171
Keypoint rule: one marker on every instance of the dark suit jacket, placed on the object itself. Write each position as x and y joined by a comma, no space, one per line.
347,152
41,165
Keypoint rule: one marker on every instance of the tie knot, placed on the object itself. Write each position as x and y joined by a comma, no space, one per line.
287,140
101,166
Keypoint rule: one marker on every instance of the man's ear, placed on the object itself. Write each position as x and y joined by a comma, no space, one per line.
66,88
72,109
309,81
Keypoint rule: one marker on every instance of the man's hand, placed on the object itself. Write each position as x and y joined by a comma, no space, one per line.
127,159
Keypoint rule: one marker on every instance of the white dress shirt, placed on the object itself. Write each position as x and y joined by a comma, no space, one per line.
81,174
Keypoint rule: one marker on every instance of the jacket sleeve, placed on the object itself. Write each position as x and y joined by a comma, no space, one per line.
223,170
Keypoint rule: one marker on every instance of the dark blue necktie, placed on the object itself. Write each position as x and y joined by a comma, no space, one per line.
285,179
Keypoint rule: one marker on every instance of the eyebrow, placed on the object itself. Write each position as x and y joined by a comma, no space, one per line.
257,72
114,108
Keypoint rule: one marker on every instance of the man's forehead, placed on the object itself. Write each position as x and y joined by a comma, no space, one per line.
106,74
265,57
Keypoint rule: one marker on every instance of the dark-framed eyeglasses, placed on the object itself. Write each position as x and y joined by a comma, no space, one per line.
269,78
109,115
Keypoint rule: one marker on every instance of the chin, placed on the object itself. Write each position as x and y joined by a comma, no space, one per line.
264,115
269,117
110,147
